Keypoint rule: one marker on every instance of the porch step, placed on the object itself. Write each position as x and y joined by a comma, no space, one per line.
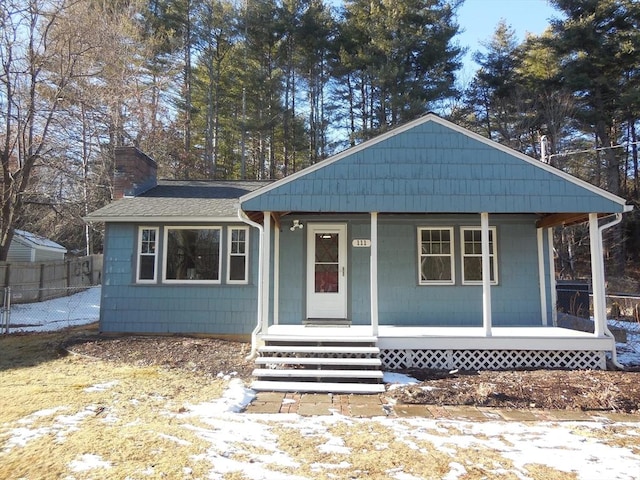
361,388
326,363
319,339
330,350
361,362
315,373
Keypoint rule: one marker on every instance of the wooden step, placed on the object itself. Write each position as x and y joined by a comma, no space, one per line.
368,362
314,373
267,386
319,349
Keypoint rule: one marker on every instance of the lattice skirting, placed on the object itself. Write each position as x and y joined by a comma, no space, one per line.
493,359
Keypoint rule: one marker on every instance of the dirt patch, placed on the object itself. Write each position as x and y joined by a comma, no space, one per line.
546,389
211,357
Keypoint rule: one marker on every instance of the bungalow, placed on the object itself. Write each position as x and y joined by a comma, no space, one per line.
427,247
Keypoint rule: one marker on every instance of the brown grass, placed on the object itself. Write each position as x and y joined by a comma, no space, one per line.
130,423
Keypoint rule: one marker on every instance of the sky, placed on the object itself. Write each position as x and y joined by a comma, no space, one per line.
479,18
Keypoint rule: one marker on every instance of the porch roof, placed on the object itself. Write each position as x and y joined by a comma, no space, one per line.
432,165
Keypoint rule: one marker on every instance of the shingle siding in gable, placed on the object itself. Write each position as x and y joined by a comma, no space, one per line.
432,169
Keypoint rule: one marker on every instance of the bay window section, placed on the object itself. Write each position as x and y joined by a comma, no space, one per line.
147,255
436,264
238,266
192,254
472,255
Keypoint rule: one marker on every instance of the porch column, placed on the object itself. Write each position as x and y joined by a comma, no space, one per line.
276,276
552,279
266,272
597,276
541,277
374,273
486,274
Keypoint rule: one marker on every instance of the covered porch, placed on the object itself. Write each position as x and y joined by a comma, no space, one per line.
406,346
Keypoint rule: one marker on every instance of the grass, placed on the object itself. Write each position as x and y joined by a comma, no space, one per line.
130,422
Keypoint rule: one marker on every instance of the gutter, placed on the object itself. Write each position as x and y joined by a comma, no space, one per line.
607,332
254,334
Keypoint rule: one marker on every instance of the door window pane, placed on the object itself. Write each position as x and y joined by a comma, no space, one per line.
326,263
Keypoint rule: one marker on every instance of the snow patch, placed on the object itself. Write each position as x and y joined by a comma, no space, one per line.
87,462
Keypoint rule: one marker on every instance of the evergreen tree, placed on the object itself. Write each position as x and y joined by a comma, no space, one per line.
402,59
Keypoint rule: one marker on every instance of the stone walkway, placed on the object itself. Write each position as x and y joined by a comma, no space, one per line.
363,406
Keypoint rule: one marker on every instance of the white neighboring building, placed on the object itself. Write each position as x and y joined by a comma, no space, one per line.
29,247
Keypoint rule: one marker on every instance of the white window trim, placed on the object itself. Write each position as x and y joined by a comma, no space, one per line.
164,255
493,258
230,230
140,254
451,257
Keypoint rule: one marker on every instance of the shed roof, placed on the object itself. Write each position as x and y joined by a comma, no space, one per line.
175,200
432,165
34,240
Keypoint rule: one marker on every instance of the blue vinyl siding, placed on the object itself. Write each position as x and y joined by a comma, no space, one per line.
431,168
515,300
130,307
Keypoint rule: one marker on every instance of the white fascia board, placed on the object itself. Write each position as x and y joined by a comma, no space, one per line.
59,249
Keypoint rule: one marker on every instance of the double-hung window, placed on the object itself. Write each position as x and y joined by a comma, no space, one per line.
472,255
192,254
238,266
147,254
435,247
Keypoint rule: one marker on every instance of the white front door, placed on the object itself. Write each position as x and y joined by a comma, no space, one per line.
326,271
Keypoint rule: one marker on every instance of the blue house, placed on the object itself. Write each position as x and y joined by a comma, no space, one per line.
426,247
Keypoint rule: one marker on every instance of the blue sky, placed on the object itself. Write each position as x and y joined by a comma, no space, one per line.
478,19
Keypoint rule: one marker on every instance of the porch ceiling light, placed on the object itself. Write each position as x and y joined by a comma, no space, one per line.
296,224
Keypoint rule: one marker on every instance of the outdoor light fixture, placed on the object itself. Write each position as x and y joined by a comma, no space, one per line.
296,224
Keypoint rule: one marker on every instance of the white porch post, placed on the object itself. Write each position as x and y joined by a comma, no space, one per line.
597,276
276,276
552,279
486,274
374,273
266,272
541,277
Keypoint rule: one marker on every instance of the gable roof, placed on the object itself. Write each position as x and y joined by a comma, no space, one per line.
175,200
432,165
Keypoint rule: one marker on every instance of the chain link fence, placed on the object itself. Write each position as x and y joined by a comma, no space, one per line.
623,312
67,307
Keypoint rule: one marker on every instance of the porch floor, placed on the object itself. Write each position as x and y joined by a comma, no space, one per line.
456,338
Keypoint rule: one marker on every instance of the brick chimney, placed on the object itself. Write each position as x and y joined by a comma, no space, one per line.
134,172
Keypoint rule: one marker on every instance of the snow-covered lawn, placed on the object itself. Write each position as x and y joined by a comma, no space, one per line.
278,447
78,309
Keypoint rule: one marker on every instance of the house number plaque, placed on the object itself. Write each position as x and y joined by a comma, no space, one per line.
361,242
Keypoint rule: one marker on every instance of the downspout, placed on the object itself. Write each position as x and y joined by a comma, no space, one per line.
254,334
607,332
